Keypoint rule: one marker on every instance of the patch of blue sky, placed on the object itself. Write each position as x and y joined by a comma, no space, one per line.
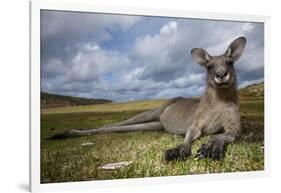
108,77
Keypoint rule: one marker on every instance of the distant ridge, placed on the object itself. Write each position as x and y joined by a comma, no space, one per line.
252,91
49,100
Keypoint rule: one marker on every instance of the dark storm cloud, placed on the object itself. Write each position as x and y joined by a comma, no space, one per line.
116,57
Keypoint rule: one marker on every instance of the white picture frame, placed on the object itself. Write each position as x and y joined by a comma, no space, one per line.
36,6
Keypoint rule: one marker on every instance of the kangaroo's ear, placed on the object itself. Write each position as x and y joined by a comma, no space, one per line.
201,56
235,49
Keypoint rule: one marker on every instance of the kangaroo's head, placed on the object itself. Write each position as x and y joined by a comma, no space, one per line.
221,72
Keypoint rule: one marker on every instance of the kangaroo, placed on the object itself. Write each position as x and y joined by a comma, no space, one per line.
216,113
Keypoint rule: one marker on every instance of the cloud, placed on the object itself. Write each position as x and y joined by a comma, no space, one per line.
83,54
161,55
63,34
170,28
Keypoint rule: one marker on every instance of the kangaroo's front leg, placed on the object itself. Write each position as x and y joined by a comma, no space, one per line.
216,146
184,150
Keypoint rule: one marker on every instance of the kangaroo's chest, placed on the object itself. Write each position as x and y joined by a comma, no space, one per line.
211,117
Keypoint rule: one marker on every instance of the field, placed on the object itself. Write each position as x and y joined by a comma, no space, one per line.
67,160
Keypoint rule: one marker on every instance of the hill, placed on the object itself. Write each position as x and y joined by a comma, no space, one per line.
253,91
53,100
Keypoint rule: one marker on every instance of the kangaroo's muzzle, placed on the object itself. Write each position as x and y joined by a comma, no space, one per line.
222,79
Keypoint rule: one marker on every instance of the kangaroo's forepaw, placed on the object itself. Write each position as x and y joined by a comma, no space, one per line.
213,150
181,152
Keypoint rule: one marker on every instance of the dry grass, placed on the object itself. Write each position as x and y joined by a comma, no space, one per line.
108,107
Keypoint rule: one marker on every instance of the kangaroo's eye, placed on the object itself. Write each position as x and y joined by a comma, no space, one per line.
230,62
210,66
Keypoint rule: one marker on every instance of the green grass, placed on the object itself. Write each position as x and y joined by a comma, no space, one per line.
66,160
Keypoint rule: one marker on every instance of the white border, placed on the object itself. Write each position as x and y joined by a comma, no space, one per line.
35,7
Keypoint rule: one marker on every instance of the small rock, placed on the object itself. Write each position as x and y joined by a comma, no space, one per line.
87,144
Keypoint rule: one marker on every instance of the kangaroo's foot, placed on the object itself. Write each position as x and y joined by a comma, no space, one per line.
68,134
214,150
181,152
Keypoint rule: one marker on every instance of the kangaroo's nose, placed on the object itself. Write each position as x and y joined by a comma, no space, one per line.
221,73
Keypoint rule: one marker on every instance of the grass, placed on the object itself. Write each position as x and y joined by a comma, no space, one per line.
67,160
108,107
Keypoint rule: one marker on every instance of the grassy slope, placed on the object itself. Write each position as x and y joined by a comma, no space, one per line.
52,100
67,160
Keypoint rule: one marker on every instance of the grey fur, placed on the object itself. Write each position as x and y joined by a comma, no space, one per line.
215,113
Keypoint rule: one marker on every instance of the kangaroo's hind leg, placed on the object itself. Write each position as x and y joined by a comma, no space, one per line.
148,116
151,116
150,126
146,121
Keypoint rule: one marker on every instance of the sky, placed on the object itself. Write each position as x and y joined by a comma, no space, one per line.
127,58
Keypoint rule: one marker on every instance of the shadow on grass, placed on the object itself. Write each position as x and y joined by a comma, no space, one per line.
252,131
